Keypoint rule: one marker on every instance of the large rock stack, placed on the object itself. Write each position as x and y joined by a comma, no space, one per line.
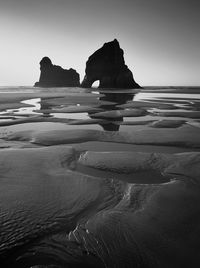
107,65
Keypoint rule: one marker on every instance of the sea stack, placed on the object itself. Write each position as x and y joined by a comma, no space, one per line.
108,66
55,76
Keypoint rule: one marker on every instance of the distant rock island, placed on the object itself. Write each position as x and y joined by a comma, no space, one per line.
108,66
55,76
105,65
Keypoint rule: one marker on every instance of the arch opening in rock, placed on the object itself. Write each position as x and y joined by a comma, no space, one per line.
96,84
108,66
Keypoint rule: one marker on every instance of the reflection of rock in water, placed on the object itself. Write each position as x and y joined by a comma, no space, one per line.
109,125
118,99
45,107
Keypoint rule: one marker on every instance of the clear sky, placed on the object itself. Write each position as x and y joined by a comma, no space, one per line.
160,38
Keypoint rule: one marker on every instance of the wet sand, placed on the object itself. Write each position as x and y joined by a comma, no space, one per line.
102,179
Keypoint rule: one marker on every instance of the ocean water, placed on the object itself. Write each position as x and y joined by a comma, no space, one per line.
99,178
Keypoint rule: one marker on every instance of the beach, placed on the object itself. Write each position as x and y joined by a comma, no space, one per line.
100,177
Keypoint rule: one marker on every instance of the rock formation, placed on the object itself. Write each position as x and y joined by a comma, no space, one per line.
107,65
55,76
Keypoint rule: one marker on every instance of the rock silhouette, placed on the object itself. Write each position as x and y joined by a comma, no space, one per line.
55,76
108,66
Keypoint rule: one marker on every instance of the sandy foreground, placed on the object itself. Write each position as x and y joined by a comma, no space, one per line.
73,193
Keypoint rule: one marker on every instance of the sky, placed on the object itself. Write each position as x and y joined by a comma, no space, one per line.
160,38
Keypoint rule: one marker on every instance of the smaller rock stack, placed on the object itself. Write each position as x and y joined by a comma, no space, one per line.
55,76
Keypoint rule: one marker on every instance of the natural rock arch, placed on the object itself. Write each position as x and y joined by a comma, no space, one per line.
108,66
